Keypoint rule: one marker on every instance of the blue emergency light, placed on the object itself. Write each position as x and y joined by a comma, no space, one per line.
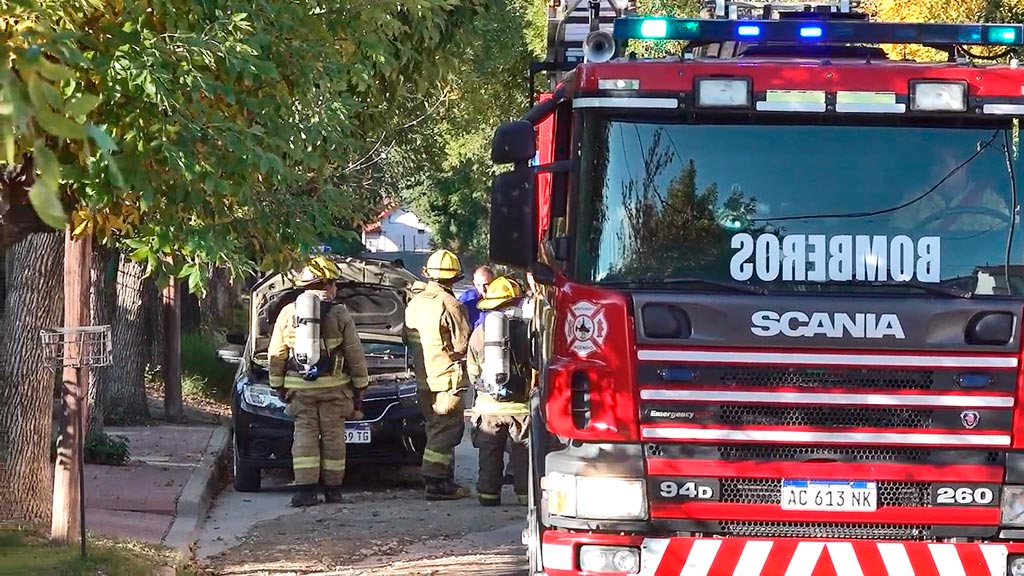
827,31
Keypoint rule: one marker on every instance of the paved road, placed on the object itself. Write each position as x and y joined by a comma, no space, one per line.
384,527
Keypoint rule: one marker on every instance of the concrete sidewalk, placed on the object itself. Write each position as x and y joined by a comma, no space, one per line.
171,475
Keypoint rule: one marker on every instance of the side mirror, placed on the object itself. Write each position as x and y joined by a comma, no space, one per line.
237,338
514,142
513,225
231,354
543,274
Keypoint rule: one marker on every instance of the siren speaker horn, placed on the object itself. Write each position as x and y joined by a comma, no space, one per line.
599,46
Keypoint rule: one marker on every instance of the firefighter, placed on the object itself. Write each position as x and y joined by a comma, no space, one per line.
322,393
437,332
501,413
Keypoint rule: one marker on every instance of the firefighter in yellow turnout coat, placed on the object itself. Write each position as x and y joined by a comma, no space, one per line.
502,413
437,333
320,403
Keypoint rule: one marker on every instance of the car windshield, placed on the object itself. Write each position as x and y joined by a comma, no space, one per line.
789,207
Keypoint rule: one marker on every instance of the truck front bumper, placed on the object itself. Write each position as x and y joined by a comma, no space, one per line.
784,557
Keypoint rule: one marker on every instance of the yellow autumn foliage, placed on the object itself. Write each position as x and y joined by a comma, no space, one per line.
942,11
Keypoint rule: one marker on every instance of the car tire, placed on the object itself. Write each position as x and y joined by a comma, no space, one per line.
247,478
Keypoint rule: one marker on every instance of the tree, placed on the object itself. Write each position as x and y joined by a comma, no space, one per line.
449,184
102,303
125,393
196,135
33,303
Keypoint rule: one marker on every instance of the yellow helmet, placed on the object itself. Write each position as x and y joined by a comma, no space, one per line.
443,265
500,291
318,269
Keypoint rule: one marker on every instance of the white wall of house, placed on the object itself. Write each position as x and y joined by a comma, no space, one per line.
400,231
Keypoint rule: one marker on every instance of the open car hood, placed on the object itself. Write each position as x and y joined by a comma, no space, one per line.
374,291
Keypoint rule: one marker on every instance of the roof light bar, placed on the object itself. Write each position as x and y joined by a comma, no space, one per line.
841,31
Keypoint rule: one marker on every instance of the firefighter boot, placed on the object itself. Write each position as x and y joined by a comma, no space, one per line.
332,494
489,500
444,489
306,496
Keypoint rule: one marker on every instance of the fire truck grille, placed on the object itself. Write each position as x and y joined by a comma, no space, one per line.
845,454
829,378
760,491
824,416
825,530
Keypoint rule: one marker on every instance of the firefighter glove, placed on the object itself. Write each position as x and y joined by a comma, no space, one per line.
447,402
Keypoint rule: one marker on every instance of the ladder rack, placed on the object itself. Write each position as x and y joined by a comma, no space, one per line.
754,9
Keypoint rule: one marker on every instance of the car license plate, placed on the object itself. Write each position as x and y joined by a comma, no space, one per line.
357,434
829,495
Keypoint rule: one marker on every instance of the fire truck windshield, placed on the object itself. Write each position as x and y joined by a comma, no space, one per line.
791,207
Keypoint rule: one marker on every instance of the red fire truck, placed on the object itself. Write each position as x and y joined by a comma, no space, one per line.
781,297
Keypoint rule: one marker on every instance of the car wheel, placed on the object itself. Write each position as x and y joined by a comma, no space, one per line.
247,477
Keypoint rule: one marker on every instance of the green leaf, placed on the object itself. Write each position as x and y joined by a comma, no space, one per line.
45,192
101,138
60,126
113,172
8,137
82,105
53,71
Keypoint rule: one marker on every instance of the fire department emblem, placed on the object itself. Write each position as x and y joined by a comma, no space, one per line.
969,418
585,328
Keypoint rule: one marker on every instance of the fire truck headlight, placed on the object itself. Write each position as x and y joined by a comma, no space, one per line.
938,96
723,92
1012,506
1015,565
604,498
595,497
619,559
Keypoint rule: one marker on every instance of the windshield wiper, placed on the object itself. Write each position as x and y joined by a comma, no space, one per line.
932,288
733,286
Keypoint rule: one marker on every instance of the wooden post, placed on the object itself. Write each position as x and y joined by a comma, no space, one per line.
67,505
171,301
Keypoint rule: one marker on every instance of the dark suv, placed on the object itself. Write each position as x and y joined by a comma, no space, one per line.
392,431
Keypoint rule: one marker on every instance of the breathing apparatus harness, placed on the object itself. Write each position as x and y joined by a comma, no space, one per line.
501,376
306,358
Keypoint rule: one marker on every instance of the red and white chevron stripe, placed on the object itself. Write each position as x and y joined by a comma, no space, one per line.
786,557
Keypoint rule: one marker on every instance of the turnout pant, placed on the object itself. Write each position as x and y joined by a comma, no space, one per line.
444,433
319,418
491,434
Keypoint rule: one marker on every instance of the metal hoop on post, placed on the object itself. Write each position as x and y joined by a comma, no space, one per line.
78,348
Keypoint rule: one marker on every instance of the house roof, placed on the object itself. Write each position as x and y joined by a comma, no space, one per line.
375,225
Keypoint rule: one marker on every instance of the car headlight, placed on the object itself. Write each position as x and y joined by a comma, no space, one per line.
595,497
261,396
1012,506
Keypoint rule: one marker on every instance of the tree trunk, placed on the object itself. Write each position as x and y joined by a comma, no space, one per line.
34,282
102,300
125,396
154,324
219,303
191,312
